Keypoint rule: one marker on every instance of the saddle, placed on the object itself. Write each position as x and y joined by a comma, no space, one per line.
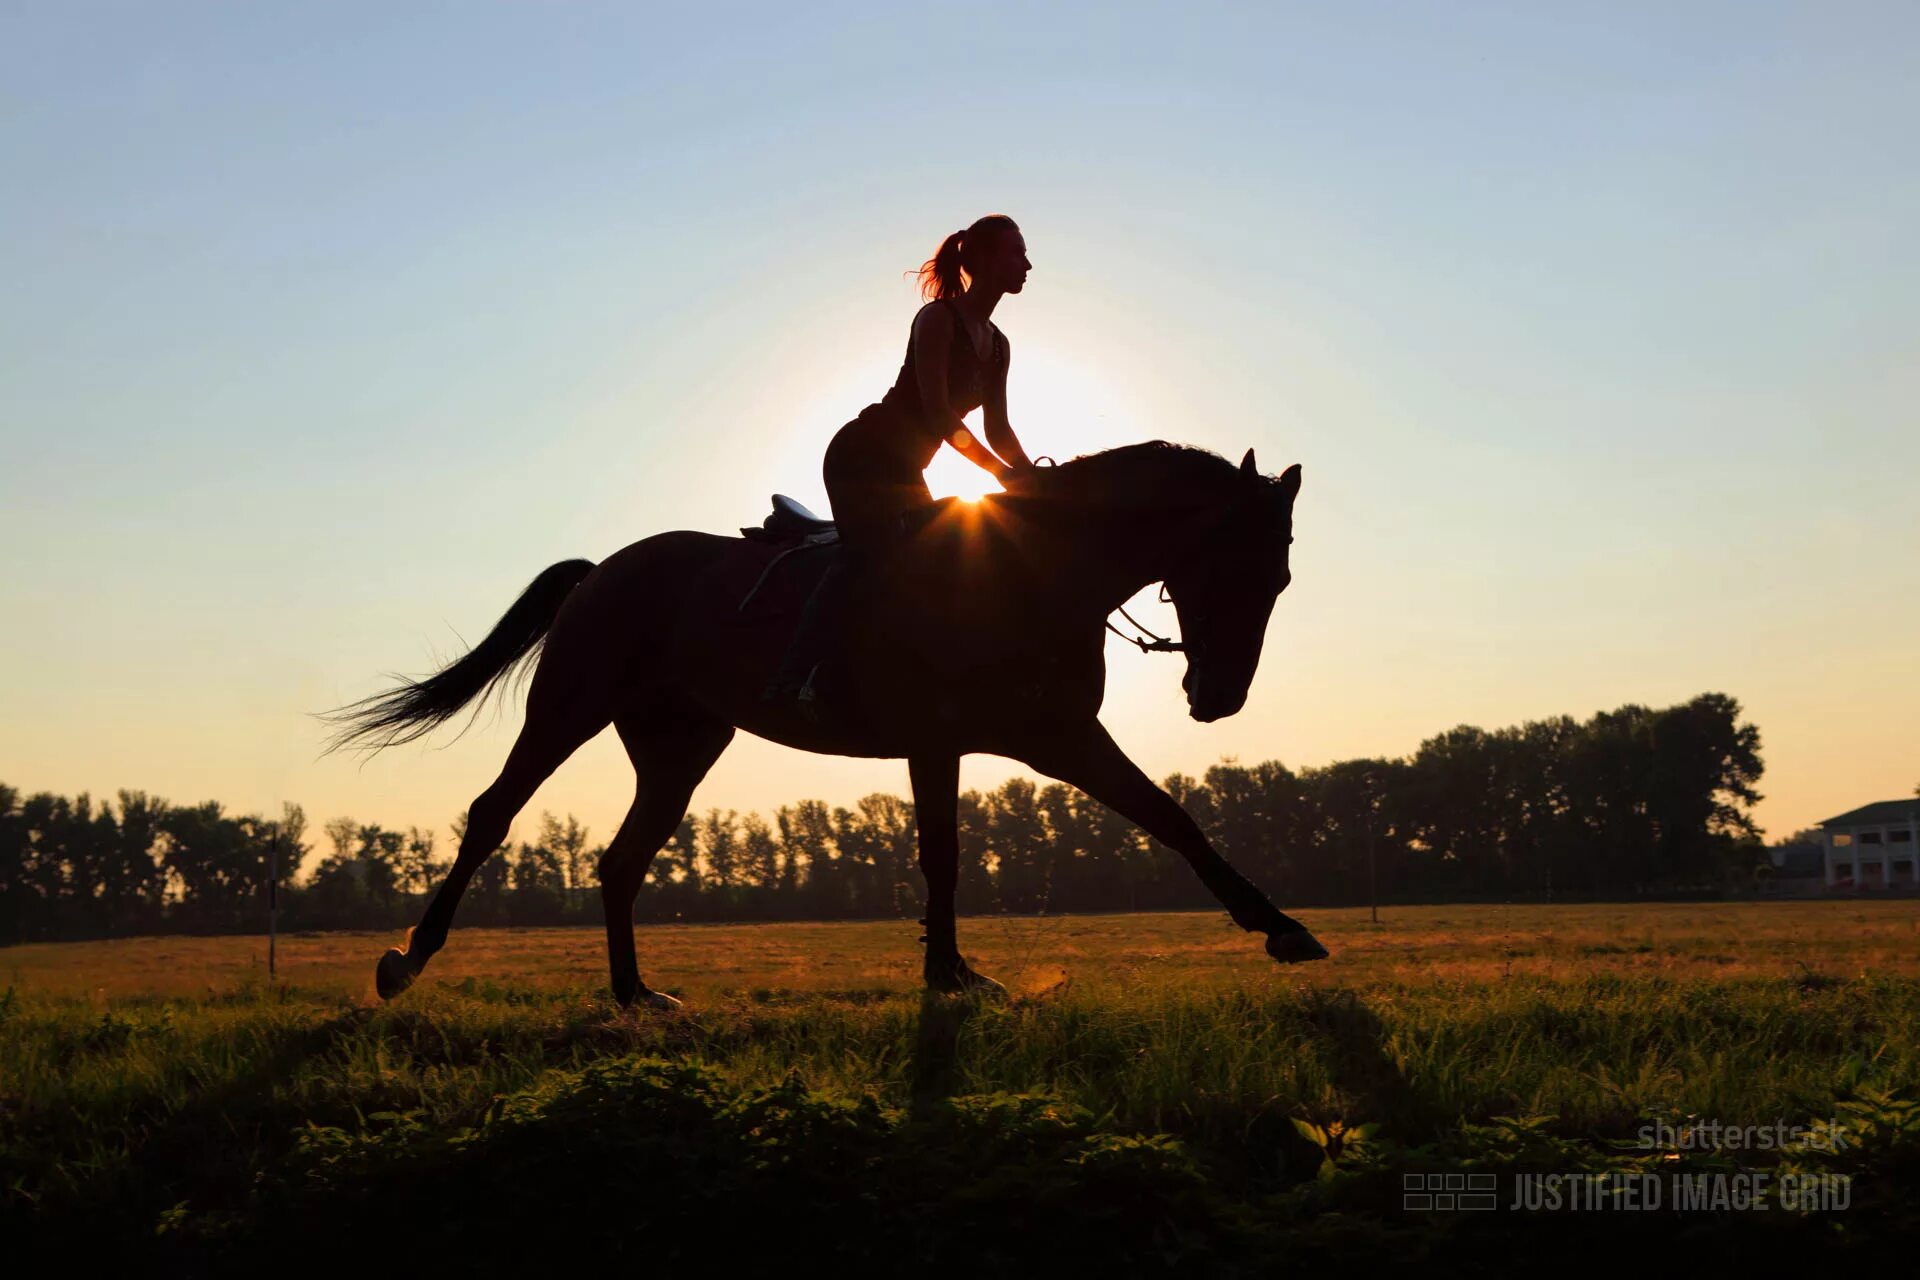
790,521
793,528
790,526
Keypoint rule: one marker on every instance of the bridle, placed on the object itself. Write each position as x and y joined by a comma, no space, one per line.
1154,642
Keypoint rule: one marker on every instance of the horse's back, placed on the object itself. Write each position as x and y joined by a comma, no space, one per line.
647,583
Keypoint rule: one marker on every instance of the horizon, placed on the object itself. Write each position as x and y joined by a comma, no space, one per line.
1591,331
531,817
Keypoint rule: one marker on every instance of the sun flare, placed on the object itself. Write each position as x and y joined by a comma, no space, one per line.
1059,408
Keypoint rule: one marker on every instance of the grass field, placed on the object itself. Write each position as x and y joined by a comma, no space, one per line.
1157,1089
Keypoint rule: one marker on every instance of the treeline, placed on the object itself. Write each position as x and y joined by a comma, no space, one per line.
1630,802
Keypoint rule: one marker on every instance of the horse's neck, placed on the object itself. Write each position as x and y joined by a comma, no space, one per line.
1106,558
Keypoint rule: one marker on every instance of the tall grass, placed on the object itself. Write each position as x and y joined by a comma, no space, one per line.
130,1114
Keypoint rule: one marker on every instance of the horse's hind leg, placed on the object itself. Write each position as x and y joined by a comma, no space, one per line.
555,728
671,753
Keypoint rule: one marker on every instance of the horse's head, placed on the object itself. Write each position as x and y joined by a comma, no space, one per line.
1225,589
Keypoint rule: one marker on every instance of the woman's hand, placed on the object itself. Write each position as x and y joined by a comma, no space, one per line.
1018,476
963,441
1004,443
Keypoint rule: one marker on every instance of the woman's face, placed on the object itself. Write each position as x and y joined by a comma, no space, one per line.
1005,266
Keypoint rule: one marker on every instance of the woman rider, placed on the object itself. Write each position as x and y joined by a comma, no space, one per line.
956,361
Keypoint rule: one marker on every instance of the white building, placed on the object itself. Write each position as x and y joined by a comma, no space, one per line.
1872,847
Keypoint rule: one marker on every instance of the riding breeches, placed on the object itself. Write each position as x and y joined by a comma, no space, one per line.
873,476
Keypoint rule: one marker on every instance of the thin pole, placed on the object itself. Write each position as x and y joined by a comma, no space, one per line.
1373,897
273,907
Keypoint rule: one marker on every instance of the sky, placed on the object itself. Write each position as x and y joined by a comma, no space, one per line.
325,328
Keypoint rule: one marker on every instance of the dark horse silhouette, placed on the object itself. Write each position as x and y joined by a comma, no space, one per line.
982,632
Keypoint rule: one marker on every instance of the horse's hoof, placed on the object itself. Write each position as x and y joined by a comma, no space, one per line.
394,974
1294,946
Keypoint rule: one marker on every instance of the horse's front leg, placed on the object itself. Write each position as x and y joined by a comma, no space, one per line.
936,803
1087,758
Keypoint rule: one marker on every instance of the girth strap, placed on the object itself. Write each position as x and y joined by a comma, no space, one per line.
817,543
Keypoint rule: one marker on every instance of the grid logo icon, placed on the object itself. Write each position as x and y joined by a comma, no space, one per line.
1448,1191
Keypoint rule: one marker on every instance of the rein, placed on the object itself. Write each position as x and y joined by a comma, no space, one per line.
1154,642
1158,643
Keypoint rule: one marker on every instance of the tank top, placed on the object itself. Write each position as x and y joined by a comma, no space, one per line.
967,376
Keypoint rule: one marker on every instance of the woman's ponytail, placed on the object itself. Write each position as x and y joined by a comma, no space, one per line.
943,275
940,274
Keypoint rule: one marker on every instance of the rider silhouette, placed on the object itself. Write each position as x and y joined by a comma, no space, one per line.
956,361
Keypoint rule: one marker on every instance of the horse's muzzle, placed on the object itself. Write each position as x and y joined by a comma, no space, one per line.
1204,705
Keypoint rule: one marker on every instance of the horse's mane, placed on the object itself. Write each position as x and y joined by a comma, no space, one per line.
1152,473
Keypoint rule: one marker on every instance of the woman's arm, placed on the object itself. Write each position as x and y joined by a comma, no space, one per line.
932,339
999,431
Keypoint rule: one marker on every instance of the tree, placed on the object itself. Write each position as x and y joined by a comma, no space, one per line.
1542,842
877,850
333,897
759,853
383,854
217,864
1705,765
1363,833
720,850
975,893
675,874
1609,769
293,839
808,828
1023,853
1631,800
892,889
537,870
20,898
341,833
569,843
418,866
793,859
539,884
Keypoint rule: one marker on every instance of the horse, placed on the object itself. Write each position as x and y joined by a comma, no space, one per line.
983,630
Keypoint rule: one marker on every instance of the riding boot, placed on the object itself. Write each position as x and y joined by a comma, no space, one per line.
802,658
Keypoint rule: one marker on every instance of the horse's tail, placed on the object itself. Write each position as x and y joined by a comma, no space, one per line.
418,707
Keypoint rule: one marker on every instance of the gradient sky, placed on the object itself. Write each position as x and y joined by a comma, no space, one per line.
326,327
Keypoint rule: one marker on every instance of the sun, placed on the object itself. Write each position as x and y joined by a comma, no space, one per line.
1058,407
951,476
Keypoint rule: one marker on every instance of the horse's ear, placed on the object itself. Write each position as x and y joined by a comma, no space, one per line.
1290,482
1246,465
